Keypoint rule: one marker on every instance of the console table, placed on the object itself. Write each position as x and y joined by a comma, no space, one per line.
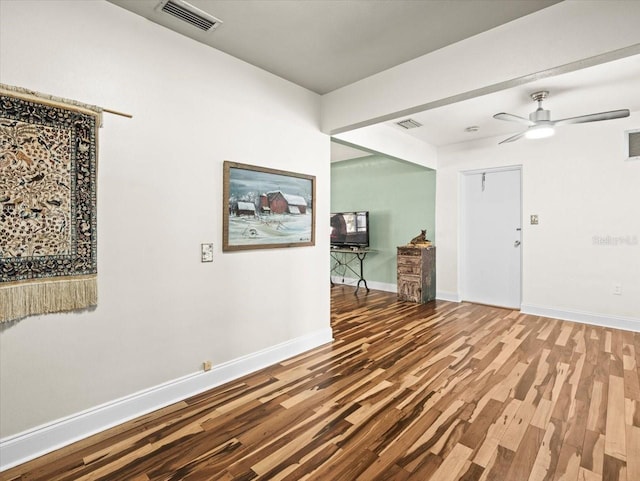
346,258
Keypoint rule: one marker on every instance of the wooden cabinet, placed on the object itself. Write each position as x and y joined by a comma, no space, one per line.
416,273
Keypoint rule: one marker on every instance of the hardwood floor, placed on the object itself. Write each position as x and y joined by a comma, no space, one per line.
439,392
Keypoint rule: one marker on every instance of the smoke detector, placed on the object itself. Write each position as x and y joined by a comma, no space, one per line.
188,13
409,124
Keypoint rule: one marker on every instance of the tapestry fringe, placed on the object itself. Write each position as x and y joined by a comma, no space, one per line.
21,300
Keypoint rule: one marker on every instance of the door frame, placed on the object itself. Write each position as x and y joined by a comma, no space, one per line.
462,218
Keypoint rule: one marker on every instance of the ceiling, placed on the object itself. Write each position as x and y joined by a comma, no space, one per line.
323,45
604,87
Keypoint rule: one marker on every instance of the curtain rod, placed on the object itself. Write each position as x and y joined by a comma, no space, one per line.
115,112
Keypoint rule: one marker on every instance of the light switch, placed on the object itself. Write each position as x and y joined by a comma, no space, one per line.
207,252
534,219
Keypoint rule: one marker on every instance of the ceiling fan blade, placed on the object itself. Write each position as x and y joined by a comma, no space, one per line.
513,118
513,138
613,114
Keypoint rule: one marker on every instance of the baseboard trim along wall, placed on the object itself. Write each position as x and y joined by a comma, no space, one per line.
22,447
378,286
617,322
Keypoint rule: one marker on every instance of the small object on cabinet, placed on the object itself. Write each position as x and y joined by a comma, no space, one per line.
420,240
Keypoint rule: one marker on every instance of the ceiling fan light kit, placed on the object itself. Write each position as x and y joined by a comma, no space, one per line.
539,131
539,124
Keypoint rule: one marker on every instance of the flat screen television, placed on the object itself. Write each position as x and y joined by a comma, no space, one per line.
350,229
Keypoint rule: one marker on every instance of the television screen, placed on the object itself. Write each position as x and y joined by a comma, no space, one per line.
350,229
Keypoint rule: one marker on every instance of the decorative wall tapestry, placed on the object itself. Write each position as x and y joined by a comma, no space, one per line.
48,161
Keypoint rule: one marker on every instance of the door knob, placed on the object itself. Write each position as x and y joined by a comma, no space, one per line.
516,243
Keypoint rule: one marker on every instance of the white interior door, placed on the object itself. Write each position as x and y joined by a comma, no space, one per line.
490,237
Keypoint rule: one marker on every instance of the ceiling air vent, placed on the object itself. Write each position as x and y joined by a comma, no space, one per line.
190,14
409,124
632,138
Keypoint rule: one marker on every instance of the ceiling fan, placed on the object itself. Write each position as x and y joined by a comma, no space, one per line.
540,124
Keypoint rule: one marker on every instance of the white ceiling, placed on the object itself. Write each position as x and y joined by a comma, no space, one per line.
608,86
326,44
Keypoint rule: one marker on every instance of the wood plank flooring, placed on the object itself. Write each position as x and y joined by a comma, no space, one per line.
441,392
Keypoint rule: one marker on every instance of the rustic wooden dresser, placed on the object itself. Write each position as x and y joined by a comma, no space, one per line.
416,273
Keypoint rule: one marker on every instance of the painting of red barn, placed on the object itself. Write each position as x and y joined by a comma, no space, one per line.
267,208
281,203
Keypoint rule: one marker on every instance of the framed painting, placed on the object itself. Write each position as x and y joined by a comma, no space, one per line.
267,208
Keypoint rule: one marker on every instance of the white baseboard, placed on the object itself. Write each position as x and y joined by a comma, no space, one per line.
447,296
378,286
617,322
22,447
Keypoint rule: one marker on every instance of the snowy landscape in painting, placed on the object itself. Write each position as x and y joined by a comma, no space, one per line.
269,229
268,208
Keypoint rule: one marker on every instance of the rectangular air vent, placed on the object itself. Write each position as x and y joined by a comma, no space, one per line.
409,124
632,141
190,14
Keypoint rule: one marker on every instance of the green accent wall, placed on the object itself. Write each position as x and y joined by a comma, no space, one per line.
400,198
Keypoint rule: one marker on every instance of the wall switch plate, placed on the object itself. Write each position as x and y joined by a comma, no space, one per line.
207,252
534,219
617,289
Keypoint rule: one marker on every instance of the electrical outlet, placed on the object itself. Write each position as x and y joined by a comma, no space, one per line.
617,289
534,219
206,366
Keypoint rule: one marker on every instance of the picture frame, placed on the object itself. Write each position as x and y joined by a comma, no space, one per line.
266,208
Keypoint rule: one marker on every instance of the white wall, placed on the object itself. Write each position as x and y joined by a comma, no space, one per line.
581,188
161,312
388,141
